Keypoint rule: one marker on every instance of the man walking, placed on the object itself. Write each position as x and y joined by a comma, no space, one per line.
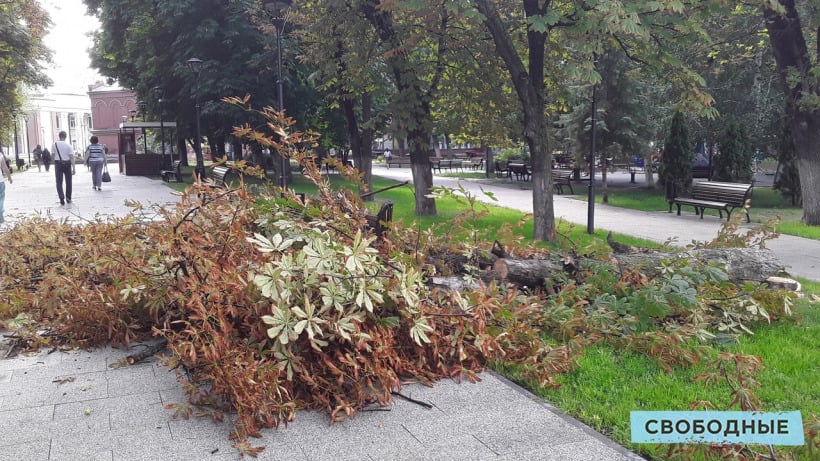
63,161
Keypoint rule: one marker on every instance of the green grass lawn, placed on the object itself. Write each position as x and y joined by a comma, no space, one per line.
610,383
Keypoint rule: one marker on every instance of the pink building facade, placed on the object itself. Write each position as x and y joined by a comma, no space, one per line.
110,106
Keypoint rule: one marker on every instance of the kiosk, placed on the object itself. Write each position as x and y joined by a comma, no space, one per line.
139,147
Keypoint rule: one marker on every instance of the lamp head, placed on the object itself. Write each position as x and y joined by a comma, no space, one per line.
279,11
194,64
278,7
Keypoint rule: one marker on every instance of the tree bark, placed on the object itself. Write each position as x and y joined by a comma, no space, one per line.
531,273
741,264
792,57
361,139
531,93
414,102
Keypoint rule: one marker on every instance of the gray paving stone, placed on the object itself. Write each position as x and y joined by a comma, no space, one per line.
32,450
25,425
161,446
121,380
203,433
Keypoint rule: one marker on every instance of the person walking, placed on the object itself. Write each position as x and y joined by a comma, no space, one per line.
63,164
5,172
94,160
46,156
38,156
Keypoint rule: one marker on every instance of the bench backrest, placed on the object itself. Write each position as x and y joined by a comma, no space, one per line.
729,192
561,176
219,174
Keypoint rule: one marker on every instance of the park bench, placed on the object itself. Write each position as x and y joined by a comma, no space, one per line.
445,163
174,174
520,170
381,222
721,196
701,172
501,170
561,178
398,161
219,175
476,163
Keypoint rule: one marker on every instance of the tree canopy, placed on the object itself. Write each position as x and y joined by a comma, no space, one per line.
23,55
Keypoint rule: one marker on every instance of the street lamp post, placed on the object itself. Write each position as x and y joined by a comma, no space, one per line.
280,10
142,105
591,197
195,64
16,142
159,90
28,146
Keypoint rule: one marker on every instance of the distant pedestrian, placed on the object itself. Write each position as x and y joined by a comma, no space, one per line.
5,172
63,165
46,159
94,160
38,156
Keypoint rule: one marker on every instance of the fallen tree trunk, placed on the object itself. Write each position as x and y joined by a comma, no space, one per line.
741,264
527,272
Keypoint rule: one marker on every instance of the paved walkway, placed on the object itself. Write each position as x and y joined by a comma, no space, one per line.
74,406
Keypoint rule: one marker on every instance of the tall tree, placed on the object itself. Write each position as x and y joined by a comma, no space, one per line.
415,50
800,74
676,161
734,161
23,55
641,29
342,49
146,43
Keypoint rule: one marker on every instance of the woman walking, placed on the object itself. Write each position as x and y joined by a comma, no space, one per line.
95,159
5,172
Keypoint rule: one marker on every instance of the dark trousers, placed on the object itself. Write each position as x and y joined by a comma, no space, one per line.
62,169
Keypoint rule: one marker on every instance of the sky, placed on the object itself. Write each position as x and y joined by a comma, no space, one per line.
69,41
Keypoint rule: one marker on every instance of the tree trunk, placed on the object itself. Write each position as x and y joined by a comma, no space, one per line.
413,105
530,88
361,140
531,273
741,264
792,57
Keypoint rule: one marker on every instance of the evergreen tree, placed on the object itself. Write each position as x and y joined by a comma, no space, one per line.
733,163
677,158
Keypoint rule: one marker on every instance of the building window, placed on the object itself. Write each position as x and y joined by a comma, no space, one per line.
72,123
57,118
87,121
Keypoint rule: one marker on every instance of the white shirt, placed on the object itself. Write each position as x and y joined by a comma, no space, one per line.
3,168
65,152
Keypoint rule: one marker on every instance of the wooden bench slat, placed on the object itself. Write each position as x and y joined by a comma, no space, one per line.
561,178
720,196
174,174
520,170
219,175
